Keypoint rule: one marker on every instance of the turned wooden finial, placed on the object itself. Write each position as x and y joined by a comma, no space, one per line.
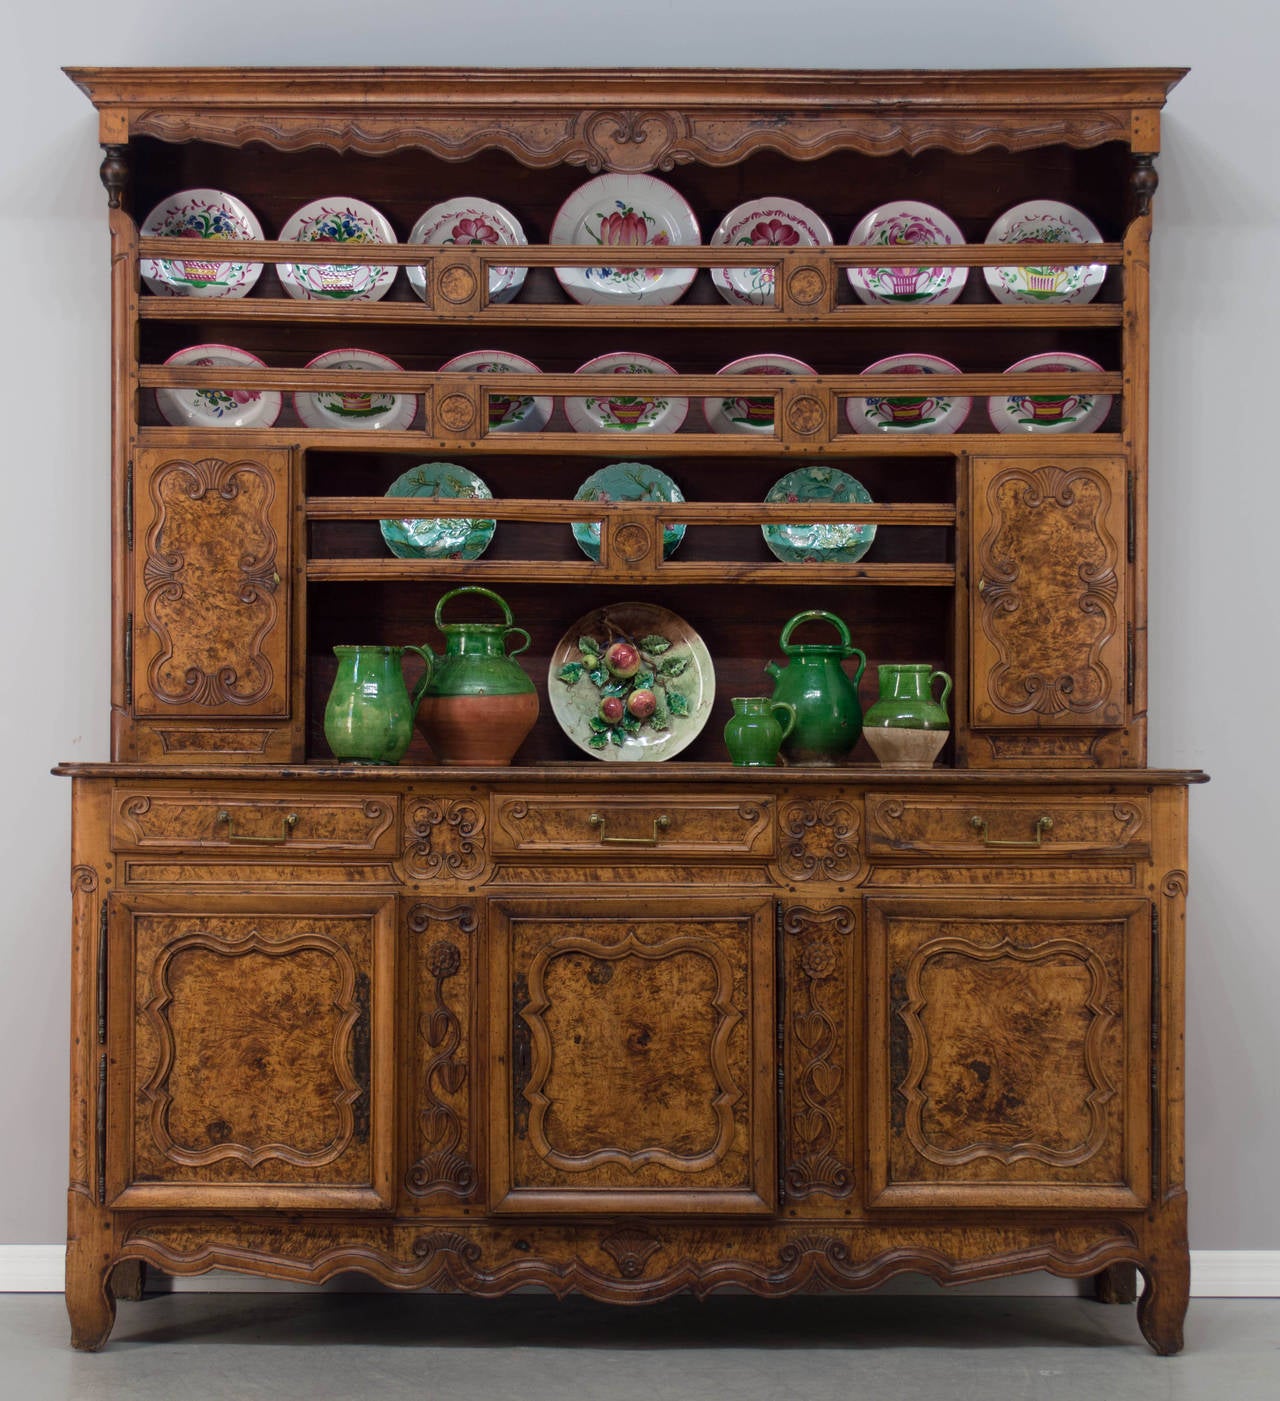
114,173
1142,183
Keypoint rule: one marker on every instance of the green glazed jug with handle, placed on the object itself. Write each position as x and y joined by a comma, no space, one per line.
369,715
825,699
906,698
756,730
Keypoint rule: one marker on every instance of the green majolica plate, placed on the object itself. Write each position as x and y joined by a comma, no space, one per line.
626,481
819,544
439,537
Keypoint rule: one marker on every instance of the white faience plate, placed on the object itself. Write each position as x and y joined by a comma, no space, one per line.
634,412
909,413
901,224
617,213
470,221
528,414
1045,221
218,408
336,220
763,223
1050,413
744,413
331,408
211,216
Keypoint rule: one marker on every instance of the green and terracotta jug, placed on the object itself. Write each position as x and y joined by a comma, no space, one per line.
369,715
478,703
906,726
815,684
756,730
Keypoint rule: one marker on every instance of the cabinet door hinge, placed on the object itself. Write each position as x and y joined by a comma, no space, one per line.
780,1047
1155,1051
1129,663
102,1128
102,974
128,659
128,505
1131,516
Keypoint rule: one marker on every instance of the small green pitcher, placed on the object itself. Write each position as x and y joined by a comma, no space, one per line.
815,684
906,698
756,730
369,717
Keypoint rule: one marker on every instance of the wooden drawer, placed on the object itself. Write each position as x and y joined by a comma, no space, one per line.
1011,826
220,819
661,825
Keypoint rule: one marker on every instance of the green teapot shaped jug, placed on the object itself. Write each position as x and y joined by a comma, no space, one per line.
815,683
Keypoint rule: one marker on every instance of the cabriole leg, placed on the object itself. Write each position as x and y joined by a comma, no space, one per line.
1117,1284
91,1304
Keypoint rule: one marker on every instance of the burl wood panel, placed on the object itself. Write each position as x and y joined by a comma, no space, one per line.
1048,641
637,1034
253,1034
1008,1052
210,619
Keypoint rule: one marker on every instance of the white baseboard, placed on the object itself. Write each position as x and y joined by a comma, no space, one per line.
1215,1274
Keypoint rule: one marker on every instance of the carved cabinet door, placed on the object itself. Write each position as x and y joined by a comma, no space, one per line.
252,1056
1049,642
1008,1052
210,634
632,1055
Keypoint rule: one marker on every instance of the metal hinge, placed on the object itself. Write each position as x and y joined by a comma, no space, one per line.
102,974
780,1046
1155,1051
1131,517
102,1128
128,505
128,659
1129,663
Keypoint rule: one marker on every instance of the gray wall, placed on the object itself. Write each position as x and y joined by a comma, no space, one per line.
1215,473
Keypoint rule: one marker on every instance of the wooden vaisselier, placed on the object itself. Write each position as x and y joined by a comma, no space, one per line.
619,1028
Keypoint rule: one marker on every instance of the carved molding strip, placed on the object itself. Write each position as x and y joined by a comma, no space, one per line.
443,1167
817,1075
348,1004
1101,1091
686,943
445,839
819,840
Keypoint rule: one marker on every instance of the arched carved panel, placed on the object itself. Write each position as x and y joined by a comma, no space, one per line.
1049,567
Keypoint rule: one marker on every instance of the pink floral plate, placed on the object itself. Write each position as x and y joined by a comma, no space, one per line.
336,220
620,212
905,223
909,413
763,223
742,412
467,221
507,413
1050,413
335,408
1045,221
218,408
208,215
623,412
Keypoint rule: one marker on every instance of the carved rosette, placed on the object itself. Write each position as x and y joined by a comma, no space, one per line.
818,996
442,938
819,840
445,839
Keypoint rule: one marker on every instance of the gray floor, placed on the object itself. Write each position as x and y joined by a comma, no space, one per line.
314,1347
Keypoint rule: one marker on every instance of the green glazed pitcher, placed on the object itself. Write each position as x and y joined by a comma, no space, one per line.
369,716
756,730
906,698
815,683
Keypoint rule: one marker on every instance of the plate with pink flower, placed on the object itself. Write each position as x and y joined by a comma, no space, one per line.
905,223
218,408
763,223
508,413
211,216
342,408
630,410
336,220
741,412
1045,221
1050,413
470,222
617,213
909,413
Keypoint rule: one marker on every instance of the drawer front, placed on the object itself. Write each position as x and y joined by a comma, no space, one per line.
1008,826
219,819
661,826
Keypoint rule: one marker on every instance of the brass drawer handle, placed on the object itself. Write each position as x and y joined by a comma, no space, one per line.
660,824
287,823
1043,824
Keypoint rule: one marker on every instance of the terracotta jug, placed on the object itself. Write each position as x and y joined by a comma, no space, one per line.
478,703
369,716
814,682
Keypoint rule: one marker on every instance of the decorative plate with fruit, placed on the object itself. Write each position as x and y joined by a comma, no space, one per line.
631,681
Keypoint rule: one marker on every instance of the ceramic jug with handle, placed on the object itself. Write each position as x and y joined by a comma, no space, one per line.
369,715
756,730
479,703
825,699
